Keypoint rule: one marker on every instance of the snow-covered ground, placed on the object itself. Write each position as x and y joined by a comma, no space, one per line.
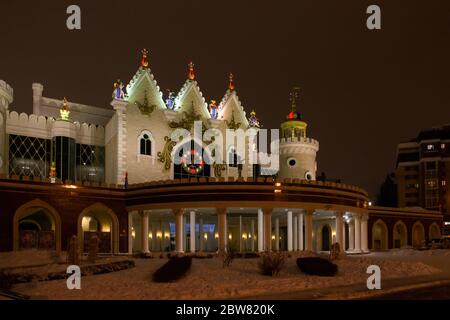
208,280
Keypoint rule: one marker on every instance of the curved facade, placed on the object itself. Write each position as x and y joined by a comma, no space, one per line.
250,215
173,172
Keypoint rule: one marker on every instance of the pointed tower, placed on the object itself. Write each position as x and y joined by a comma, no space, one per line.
6,98
297,152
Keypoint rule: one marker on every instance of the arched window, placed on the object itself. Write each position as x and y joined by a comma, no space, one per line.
233,157
145,144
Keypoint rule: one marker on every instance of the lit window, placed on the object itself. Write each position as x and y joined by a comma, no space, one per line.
442,145
444,183
430,147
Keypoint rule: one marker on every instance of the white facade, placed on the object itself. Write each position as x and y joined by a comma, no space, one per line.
142,111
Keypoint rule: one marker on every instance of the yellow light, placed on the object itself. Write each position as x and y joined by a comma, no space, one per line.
216,235
230,236
150,235
70,186
133,234
277,190
249,235
244,236
273,237
106,229
278,184
159,234
166,235
205,236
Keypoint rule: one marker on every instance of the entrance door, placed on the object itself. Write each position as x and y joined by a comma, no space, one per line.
326,238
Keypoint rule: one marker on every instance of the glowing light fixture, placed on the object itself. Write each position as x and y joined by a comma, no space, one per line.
216,235
70,186
159,234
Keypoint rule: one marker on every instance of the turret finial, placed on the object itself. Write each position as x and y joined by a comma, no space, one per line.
294,98
231,82
191,72
64,112
144,59
294,115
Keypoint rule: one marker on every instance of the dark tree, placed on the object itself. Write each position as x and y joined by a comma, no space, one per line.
387,197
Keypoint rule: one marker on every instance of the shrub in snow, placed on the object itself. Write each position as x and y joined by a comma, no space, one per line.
6,280
173,270
317,266
228,256
271,263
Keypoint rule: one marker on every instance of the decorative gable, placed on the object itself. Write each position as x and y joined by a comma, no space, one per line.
232,111
144,91
190,99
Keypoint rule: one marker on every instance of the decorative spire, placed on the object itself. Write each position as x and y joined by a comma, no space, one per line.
253,120
213,109
118,92
191,73
231,82
294,96
144,59
64,112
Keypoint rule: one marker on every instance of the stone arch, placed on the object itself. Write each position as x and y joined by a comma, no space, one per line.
51,212
418,234
434,231
379,235
96,210
399,234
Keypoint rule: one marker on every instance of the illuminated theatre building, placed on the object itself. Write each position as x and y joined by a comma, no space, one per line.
71,169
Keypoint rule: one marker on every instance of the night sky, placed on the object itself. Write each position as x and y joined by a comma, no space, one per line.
362,91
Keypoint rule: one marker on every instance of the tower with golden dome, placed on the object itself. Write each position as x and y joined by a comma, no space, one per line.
297,151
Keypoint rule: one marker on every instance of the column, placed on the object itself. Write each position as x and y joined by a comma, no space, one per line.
252,239
268,229
130,233
240,233
192,227
179,227
222,229
339,226
295,237
144,231
308,230
344,248
301,246
357,233
289,231
364,233
277,234
260,231
351,235
201,235
183,228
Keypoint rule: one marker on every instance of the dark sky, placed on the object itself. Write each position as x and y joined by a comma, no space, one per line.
362,91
